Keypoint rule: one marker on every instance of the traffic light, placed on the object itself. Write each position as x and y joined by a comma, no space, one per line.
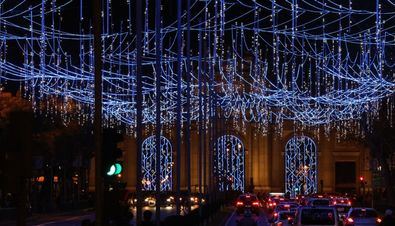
115,169
361,179
111,153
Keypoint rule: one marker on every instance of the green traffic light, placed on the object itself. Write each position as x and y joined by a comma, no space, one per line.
111,172
115,169
118,168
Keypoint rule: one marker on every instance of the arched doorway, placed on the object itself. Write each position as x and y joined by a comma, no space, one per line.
148,163
229,163
300,166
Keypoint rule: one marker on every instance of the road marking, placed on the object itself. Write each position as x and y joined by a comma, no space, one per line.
231,216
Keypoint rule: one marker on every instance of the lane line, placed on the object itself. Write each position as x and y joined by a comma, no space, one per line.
231,217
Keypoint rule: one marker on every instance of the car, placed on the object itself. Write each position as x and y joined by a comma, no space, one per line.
282,206
248,201
284,218
149,201
342,210
318,202
316,215
362,216
343,201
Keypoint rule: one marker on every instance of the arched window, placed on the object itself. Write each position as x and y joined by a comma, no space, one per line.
229,163
148,163
300,166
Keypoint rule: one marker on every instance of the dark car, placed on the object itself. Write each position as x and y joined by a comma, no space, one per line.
362,216
248,201
282,206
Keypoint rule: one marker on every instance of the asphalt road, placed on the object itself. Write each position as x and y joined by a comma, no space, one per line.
74,219
64,219
234,217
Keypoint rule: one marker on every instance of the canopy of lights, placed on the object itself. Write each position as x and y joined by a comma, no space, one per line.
315,62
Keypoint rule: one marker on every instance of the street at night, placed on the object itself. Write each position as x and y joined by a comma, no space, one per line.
197,112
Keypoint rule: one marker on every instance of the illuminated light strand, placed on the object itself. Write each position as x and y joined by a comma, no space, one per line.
320,74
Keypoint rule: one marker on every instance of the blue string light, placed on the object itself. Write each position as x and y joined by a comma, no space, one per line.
312,62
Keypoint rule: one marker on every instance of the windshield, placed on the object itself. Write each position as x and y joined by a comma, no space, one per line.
361,213
343,209
250,198
321,202
318,217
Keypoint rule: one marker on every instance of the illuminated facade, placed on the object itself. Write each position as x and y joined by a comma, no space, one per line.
265,166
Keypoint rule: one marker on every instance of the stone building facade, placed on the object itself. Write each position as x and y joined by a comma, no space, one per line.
339,164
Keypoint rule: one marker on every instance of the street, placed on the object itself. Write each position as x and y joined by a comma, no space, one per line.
261,219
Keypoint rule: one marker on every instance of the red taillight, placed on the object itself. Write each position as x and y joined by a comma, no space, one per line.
239,203
270,204
275,214
378,220
255,203
349,203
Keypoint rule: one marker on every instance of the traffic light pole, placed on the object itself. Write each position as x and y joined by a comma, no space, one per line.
139,111
158,69
98,112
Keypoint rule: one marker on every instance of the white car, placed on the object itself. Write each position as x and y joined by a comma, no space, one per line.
316,216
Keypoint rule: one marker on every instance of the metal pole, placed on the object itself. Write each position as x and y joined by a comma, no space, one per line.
201,124
179,108
98,111
139,110
188,110
158,69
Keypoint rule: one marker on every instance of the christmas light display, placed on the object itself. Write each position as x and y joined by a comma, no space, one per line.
229,163
300,166
316,63
313,62
148,162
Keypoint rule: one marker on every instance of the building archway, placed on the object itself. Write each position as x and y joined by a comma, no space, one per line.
229,163
300,166
148,163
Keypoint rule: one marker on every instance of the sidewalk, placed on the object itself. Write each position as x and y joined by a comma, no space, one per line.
40,219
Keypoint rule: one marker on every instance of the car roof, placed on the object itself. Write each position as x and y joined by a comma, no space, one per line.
362,208
245,195
342,205
316,207
287,211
